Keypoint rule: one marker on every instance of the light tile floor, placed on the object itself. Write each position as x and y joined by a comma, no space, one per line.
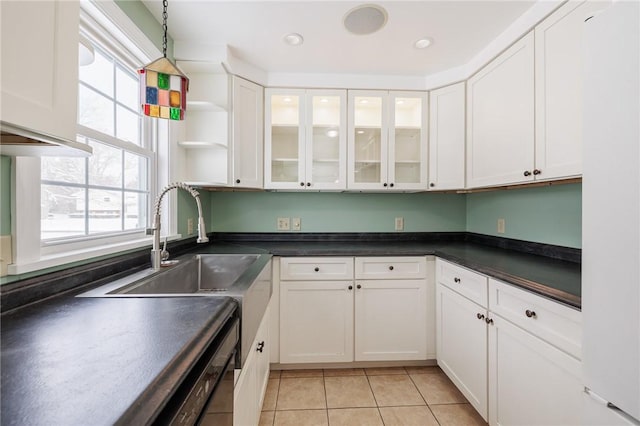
399,396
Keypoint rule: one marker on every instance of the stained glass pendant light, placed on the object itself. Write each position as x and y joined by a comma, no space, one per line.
163,87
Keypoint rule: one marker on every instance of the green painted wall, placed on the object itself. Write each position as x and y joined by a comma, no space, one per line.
141,16
5,195
551,215
187,208
337,212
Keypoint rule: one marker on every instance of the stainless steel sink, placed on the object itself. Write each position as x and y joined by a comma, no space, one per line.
245,277
201,273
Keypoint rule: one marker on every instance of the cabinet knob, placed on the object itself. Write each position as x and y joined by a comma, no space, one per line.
488,320
480,316
260,346
316,269
391,268
537,172
384,184
530,314
432,184
350,287
308,183
358,286
301,183
527,173
391,185
237,180
456,280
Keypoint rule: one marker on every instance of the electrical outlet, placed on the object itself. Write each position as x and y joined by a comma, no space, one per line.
399,223
190,226
296,224
501,225
283,224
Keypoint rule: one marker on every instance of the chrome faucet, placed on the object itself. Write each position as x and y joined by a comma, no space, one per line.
156,252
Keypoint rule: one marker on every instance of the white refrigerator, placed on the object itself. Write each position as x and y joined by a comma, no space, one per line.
611,217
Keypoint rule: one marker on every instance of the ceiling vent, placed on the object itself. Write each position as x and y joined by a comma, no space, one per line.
365,19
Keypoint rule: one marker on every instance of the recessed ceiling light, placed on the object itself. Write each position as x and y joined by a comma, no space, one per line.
293,39
287,99
364,101
332,133
324,100
365,19
423,43
360,132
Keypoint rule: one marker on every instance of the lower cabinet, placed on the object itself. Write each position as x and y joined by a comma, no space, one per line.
330,318
316,321
514,355
530,381
461,341
252,383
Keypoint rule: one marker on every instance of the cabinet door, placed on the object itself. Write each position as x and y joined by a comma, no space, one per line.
530,381
247,142
316,321
447,137
284,139
461,342
391,320
326,160
500,119
39,71
559,49
368,140
245,395
407,156
262,348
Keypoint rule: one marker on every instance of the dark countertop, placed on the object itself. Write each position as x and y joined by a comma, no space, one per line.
556,279
69,360
79,361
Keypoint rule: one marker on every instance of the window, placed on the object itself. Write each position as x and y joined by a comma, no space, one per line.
108,193
74,209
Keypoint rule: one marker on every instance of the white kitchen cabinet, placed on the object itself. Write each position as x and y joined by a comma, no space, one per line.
530,381
387,145
461,341
391,308
305,139
316,321
247,139
326,316
447,137
251,385
204,134
500,118
559,49
40,66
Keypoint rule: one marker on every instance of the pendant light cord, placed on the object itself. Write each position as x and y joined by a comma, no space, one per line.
165,3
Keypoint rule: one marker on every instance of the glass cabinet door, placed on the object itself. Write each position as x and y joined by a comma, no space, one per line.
407,140
284,139
326,142
367,140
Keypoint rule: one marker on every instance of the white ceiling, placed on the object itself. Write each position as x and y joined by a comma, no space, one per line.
253,31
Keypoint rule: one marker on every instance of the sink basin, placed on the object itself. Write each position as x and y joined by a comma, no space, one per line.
201,273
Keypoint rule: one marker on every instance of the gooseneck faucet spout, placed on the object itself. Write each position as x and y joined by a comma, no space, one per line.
156,252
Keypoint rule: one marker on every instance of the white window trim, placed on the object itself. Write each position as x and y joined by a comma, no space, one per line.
29,252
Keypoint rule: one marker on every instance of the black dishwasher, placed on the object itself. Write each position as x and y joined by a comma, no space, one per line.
206,395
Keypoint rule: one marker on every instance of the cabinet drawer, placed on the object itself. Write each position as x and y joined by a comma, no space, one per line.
372,268
551,321
464,281
316,268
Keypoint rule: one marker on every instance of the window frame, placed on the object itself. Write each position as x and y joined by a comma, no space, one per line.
103,20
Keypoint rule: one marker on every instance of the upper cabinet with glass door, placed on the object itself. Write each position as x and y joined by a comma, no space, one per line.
305,139
387,140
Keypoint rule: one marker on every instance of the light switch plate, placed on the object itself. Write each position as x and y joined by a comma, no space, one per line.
283,224
501,226
296,224
399,223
